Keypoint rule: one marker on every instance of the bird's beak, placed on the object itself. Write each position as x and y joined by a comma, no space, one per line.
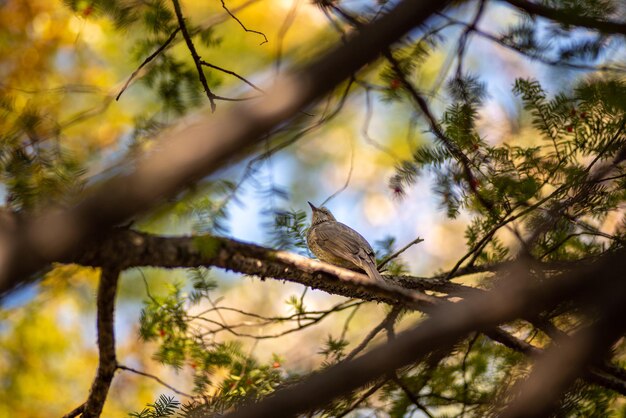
312,206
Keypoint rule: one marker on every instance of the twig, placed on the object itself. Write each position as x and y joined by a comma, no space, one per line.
369,112
147,60
409,394
230,329
242,25
194,53
348,177
397,253
155,378
465,37
234,74
470,345
282,33
346,325
390,318
534,56
363,398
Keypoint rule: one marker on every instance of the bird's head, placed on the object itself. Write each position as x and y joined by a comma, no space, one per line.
320,215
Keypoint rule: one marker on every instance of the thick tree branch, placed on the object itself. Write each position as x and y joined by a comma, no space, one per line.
126,249
197,150
106,343
567,18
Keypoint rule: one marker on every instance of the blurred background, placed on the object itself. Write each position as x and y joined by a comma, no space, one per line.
63,65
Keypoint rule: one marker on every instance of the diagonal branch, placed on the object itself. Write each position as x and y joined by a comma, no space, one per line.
399,252
517,296
106,343
567,18
559,365
147,61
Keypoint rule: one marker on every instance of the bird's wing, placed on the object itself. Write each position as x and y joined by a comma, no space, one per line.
343,242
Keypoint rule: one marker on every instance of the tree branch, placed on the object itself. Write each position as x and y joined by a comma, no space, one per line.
106,343
127,249
566,18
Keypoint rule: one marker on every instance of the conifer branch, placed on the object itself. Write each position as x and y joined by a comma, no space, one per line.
567,18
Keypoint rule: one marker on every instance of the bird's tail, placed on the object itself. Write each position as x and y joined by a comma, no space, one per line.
372,272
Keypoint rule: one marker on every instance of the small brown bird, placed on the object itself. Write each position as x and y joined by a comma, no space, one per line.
338,244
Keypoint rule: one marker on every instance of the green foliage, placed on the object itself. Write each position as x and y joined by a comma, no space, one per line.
333,350
167,321
34,166
207,208
410,58
515,180
163,407
288,231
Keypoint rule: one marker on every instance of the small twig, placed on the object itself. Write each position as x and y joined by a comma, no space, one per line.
251,166
465,37
470,345
282,33
147,60
348,178
242,25
438,131
299,316
400,251
155,378
346,325
409,394
533,56
234,74
390,318
369,113
363,398
312,321
194,53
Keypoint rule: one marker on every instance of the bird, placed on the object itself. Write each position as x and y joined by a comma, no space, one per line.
338,244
